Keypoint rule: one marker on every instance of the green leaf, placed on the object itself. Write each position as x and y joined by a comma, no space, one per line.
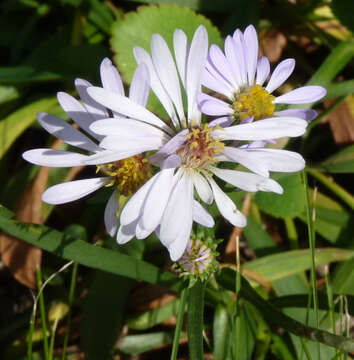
343,279
341,162
137,344
278,266
86,254
153,317
137,28
291,203
17,122
277,318
25,74
8,93
103,314
221,332
195,320
344,11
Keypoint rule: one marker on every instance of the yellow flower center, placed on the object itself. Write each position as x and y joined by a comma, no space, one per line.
200,148
255,101
127,174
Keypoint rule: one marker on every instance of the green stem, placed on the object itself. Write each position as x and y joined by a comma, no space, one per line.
71,302
30,336
180,317
312,240
330,299
292,233
195,321
238,292
43,313
335,188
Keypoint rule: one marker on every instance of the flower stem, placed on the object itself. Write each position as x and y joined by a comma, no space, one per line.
179,324
43,313
195,320
312,239
238,289
71,301
335,188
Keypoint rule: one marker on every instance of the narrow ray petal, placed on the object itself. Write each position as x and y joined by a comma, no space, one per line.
54,158
110,214
280,74
110,77
201,216
263,69
303,95
140,85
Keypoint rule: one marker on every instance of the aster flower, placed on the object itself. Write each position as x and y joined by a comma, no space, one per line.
240,76
126,175
191,150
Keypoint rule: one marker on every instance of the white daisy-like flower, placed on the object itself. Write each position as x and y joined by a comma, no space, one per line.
127,175
240,75
191,150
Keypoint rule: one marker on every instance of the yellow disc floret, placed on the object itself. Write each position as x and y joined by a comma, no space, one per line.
200,148
254,101
127,174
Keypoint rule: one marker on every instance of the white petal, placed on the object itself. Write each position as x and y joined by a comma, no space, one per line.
271,128
95,110
246,159
247,181
166,71
73,190
141,232
195,67
140,143
126,127
54,158
127,107
156,199
280,74
181,48
241,58
132,209
76,112
305,114
126,232
231,56
140,85
227,207
263,69
201,216
63,131
141,56
110,77
251,45
303,95
110,213
203,188
177,217
277,160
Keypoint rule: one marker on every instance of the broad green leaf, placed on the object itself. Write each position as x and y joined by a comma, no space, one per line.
343,279
273,316
17,122
291,203
341,162
87,254
137,28
25,74
278,266
344,11
153,317
137,344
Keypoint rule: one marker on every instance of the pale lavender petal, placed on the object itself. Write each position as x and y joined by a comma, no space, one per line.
232,59
110,213
240,51
216,84
215,107
201,216
181,48
110,77
263,69
303,95
305,114
280,74
64,131
223,122
54,158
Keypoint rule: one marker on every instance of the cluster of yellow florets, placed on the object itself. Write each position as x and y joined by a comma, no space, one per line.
200,148
127,174
255,101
